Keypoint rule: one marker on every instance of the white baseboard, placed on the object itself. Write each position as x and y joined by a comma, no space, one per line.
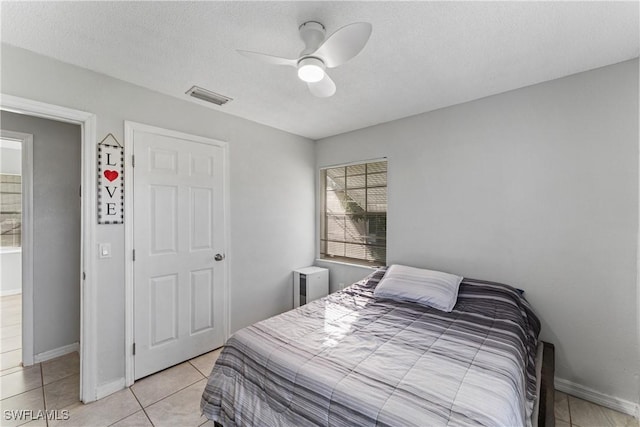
601,399
56,352
105,390
10,292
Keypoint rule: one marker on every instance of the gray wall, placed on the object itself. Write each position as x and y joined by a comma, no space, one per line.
537,187
56,222
272,190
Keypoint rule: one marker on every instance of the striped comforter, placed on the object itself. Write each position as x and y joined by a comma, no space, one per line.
352,360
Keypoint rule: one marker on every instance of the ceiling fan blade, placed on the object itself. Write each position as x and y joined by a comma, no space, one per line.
324,88
274,60
344,44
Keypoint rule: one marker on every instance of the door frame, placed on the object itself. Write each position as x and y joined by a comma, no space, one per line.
26,155
129,129
87,275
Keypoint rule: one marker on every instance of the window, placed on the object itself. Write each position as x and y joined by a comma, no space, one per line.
11,210
354,213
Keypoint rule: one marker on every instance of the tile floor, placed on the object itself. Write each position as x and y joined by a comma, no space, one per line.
574,412
168,398
10,331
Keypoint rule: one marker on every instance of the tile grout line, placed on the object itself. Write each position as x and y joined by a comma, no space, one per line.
569,406
177,391
166,397
24,391
206,378
11,324
44,399
148,417
196,368
141,407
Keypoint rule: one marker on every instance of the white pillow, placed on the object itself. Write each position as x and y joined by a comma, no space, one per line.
427,287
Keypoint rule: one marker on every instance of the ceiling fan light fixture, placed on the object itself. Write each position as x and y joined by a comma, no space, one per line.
311,70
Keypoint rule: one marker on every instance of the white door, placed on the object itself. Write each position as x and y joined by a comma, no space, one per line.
178,231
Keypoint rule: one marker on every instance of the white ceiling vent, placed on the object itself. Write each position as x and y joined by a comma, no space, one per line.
207,95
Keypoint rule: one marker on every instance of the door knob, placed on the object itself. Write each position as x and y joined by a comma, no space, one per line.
218,257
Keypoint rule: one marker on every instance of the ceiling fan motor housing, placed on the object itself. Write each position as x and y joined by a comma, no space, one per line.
312,33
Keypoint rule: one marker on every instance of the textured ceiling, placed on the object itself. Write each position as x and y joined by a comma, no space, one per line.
421,55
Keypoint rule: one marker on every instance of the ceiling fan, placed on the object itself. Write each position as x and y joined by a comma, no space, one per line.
320,54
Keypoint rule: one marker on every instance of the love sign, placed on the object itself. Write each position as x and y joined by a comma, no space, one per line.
110,181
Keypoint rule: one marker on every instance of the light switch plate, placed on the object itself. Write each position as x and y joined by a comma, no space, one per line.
104,250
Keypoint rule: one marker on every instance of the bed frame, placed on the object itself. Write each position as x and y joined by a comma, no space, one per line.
546,416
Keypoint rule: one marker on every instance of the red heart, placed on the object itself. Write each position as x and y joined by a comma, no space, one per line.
110,175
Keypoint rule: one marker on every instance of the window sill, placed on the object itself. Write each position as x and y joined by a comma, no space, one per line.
348,264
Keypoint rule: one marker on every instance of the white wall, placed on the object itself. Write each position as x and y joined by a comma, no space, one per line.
272,190
342,275
538,188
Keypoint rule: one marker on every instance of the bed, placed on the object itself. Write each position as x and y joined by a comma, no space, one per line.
352,359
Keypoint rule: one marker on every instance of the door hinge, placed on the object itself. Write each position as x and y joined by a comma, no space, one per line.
133,161
80,191
134,349
134,254
84,276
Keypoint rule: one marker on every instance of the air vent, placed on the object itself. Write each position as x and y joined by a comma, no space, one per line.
207,95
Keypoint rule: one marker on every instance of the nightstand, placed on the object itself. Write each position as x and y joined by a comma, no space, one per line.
309,284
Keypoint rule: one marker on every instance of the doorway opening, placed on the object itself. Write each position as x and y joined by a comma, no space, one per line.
84,200
41,265
11,211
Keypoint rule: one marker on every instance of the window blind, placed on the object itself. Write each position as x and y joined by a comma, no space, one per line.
354,213
10,210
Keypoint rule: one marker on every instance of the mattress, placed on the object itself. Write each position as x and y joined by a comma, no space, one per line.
353,359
